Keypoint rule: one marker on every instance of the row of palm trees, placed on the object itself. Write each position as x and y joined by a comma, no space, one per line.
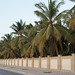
54,34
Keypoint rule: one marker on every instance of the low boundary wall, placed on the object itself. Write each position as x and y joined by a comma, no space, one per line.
65,63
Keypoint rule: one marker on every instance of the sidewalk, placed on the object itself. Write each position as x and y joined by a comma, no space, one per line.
30,71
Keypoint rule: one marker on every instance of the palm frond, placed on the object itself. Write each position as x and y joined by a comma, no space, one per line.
41,15
65,33
37,38
27,45
60,15
32,50
42,44
70,11
72,21
32,31
41,5
28,51
14,27
57,34
59,4
49,32
68,15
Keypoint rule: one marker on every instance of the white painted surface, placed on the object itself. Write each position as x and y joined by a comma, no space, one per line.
1,62
16,62
36,63
10,62
66,64
13,62
43,63
20,62
29,63
5,62
53,64
24,63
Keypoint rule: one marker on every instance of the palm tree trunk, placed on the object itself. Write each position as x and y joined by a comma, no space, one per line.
60,45
51,47
57,50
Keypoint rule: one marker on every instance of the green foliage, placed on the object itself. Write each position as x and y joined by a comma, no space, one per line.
49,36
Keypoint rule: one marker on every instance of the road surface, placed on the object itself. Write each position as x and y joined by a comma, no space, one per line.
4,72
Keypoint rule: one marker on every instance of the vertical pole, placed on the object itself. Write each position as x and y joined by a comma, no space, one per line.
22,62
27,62
18,62
14,62
39,61
32,62
48,62
73,62
11,62
6,61
59,62
2,61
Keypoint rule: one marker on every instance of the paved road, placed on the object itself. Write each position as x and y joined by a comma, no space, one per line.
4,72
31,71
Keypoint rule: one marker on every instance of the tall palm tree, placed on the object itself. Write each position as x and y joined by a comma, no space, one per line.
52,30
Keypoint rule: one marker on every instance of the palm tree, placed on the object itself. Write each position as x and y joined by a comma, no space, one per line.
52,30
72,25
24,42
22,31
7,50
69,21
72,21
67,17
18,28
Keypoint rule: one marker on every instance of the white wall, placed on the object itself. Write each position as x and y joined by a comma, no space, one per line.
29,63
43,63
10,61
3,61
13,62
20,62
7,61
36,63
66,64
16,62
24,62
53,64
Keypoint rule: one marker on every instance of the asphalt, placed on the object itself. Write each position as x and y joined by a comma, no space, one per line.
31,71
4,72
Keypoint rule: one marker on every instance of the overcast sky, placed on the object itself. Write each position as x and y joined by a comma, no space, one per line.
14,10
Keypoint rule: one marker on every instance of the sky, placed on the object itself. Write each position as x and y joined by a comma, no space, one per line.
14,10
